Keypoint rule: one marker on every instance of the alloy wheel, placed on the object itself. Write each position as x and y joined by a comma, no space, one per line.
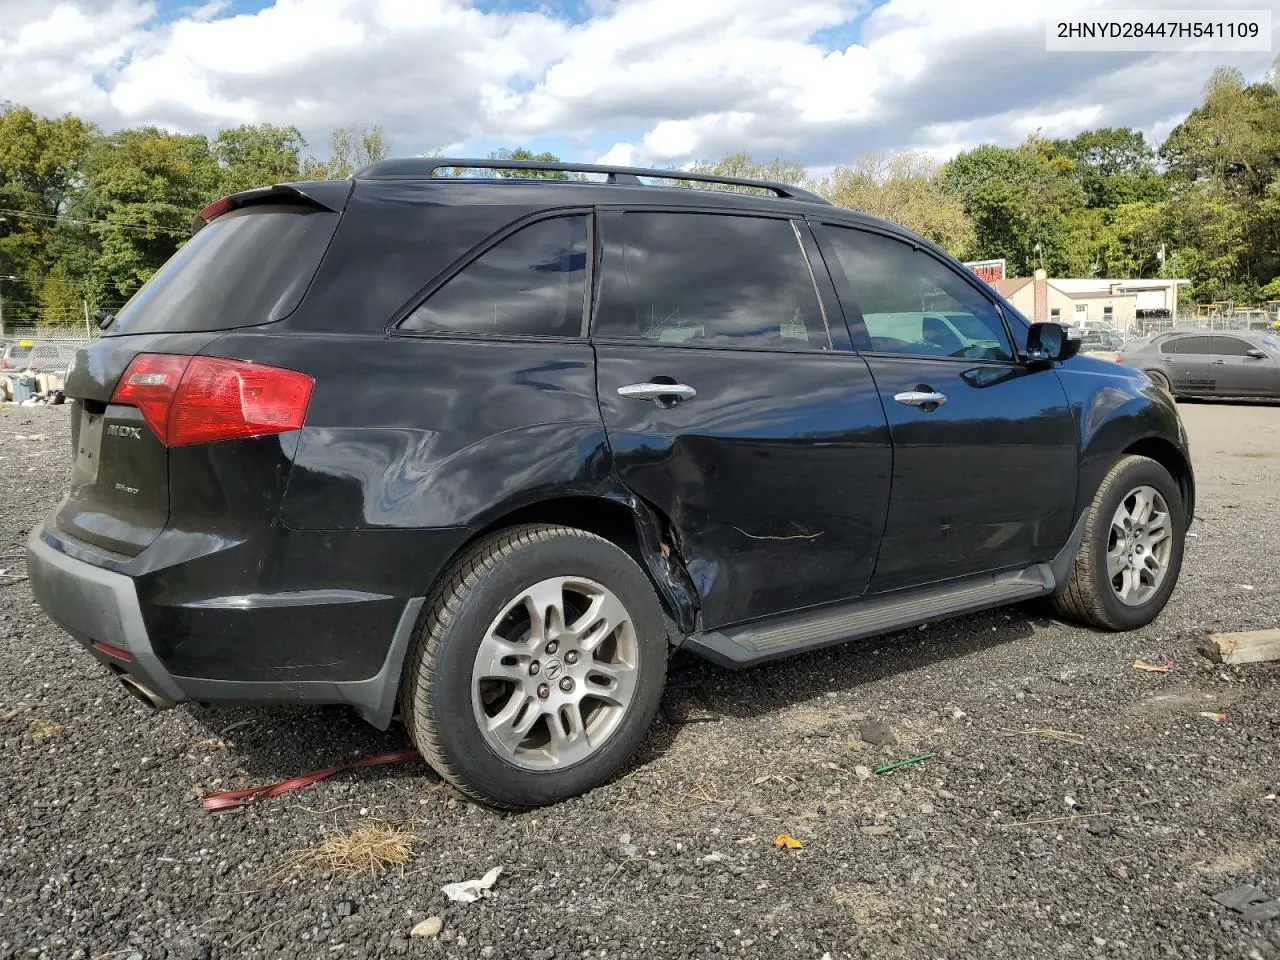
1139,546
555,673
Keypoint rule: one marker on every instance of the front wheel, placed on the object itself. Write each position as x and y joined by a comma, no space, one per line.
1131,554
538,666
1161,381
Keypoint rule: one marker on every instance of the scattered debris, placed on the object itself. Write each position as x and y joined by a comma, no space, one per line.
10,714
1099,828
1162,665
1239,898
469,891
864,773
876,733
1220,717
895,764
784,841
1046,733
344,908
231,799
714,857
429,927
1250,646
1071,802
236,726
876,830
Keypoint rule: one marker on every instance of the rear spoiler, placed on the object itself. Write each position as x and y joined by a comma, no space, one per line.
328,195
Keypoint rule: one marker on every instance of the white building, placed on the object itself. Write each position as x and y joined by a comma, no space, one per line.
1120,303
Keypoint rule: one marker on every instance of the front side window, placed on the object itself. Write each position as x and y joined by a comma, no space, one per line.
701,279
531,283
1231,347
913,304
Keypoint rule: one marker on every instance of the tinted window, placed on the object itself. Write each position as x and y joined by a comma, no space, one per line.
531,283
709,280
1231,347
1200,345
247,267
913,304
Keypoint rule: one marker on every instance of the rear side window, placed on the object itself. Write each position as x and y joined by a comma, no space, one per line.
247,267
912,304
532,283
709,280
1198,345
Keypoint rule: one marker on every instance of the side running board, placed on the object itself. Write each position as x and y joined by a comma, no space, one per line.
751,643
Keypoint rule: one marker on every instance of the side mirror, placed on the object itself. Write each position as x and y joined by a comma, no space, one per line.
1047,342
1255,353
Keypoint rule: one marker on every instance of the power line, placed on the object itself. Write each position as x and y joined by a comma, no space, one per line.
109,223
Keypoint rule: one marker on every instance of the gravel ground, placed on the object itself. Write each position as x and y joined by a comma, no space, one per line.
105,852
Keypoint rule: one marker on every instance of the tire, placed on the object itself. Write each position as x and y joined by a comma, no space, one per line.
468,713
1091,596
1161,381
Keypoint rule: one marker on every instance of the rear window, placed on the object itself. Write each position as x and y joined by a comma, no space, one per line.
250,266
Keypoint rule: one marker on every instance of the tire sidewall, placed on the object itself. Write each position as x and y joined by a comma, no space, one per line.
450,708
1141,472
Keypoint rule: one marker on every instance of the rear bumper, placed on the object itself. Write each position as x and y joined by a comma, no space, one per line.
100,606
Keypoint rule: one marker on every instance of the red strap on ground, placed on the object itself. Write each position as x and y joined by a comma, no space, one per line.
232,799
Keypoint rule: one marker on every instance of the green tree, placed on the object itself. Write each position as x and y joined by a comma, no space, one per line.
41,166
524,153
258,156
907,189
143,189
1114,166
1024,203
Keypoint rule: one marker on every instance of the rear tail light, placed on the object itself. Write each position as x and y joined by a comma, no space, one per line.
4,363
201,399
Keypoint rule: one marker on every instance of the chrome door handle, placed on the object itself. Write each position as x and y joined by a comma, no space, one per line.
1218,362
657,391
919,398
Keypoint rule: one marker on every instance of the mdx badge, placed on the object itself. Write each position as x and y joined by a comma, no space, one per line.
118,430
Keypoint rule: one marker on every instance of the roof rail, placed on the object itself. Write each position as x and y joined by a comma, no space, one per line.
418,168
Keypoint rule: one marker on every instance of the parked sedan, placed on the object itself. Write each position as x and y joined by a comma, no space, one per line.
1209,364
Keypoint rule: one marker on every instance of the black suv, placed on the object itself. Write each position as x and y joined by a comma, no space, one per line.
486,450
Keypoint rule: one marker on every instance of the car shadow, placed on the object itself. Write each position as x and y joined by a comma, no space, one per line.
272,743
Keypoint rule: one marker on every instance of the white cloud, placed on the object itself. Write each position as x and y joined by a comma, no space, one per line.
663,81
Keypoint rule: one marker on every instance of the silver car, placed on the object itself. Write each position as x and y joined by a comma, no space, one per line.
1209,363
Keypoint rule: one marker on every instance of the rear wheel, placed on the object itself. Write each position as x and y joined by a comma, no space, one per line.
538,666
1129,560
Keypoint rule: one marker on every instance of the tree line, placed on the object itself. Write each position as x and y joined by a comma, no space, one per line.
87,216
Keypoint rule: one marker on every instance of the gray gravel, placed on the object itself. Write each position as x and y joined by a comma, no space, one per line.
978,853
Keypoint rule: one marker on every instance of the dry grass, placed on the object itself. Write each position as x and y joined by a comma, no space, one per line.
369,848
44,729
1047,733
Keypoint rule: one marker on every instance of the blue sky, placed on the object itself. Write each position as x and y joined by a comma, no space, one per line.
661,82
